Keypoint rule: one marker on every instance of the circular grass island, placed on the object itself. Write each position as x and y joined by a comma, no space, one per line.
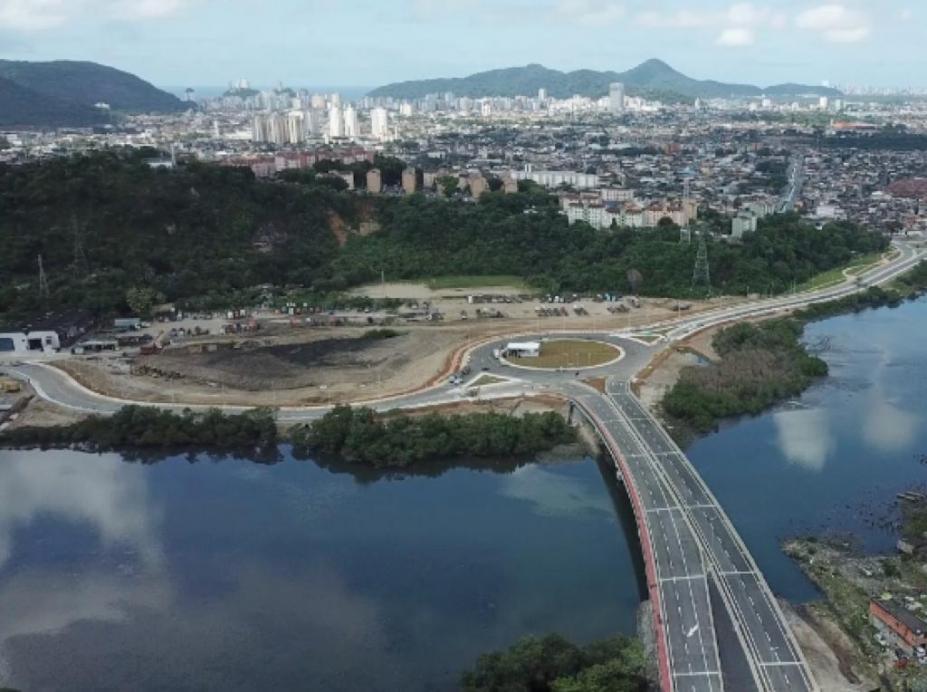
569,354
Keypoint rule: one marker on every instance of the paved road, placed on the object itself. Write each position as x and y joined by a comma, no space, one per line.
676,572
771,650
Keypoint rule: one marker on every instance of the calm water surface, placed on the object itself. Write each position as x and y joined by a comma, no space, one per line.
234,575
239,576
833,460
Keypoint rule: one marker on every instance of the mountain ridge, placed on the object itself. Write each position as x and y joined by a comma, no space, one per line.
649,77
63,92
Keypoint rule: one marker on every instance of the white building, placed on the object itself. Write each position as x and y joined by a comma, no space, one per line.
523,349
295,127
29,342
351,126
379,123
558,178
744,222
335,122
616,97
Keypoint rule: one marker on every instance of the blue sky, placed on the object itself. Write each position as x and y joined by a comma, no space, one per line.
370,42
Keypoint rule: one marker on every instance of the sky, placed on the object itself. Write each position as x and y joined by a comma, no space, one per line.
373,42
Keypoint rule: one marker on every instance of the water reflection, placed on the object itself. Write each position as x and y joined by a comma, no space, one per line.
885,426
236,576
102,493
804,437
553,495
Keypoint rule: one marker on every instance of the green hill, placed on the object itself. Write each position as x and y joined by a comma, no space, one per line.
22,107
652,76
63,92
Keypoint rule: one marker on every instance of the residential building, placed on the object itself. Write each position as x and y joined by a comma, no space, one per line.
616,98
351,126
374,181
379,123
335,122
478,185
899,626
409,181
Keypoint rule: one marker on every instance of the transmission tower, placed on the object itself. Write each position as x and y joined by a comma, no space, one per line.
43,281
701,274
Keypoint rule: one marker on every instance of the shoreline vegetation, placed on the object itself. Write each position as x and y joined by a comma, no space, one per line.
553,664
763,364
357,436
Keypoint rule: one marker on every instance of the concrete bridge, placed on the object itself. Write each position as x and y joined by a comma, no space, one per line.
717,624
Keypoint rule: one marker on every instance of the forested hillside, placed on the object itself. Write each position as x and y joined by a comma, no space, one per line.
108,226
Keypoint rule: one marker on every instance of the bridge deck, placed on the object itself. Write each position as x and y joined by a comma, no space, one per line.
657,462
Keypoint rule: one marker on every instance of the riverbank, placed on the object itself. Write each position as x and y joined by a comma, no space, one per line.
752,366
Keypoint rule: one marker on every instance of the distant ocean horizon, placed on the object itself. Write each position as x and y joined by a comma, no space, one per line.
351,93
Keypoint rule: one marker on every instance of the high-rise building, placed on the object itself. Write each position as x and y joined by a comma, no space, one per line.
616,97
295,127
405,108
318,101
312,120
335,122
351,126
542,94
259,128
336,100
276,129
379,123
823,103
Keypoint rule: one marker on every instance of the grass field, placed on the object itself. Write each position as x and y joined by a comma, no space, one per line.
570,353
835,276
508,281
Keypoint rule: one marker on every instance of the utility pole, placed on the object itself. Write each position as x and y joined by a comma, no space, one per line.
700,273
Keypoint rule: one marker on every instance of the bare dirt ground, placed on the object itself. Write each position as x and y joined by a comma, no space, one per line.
663,371
40,413
826,651
279,365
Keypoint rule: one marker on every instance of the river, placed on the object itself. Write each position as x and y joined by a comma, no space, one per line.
235,575
204,574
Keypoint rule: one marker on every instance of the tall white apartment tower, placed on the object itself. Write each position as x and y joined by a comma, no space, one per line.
616,97
351,126
379,123
335,122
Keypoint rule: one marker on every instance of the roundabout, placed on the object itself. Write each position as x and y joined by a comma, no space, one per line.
566,354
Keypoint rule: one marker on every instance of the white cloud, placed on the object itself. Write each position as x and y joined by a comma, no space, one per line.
39,15
835,23
739,22
32,15
589,12
679,19
736,37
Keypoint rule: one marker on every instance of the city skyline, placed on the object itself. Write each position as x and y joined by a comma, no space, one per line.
205,42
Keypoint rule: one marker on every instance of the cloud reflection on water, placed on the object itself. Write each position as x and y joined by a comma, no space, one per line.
804,437
553,494
100,492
